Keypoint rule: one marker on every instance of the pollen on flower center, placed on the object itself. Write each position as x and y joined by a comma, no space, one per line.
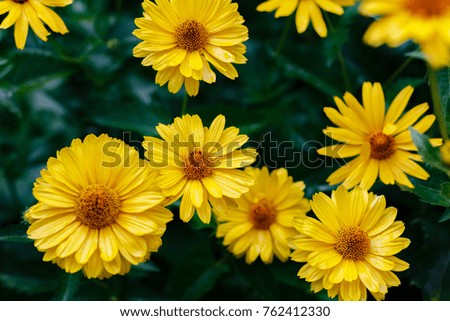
428,8
197,165
191,35
262,215
381,146
353,243
97,206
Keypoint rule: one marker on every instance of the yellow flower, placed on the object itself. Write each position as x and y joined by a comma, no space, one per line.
445,153
30,12
351,247
381,141
263,220
180,38
426,22
98,209
307,10
200,164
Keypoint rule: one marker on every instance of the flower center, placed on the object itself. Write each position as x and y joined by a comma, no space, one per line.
353,243
191,35
197,165
427,8
20,1
97,206
381,146
262,215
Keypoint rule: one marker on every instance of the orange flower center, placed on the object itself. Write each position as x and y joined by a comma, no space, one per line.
353,243
197,166
427,8
191,35
262,215
382,146
97,206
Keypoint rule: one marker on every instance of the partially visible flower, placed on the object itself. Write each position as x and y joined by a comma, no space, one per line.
445,153
180,39
98,208
351,247
24,13
307,10
425,22
200,164
263,220
380,140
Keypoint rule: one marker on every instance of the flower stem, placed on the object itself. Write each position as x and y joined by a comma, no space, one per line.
284,36
184,105
437,106
397,72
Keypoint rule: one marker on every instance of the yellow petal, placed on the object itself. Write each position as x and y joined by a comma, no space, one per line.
107,244
139,224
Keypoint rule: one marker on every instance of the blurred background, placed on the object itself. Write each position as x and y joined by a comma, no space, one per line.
88,82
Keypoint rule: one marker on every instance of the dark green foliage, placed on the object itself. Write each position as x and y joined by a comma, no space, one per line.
88,82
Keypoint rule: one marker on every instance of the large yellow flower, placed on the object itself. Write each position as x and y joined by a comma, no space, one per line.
98,209
426,22
351,247
263,220
23,13
180,38
381,141
307,10
200,164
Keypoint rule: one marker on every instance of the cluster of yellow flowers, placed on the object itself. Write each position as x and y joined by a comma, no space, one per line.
102,209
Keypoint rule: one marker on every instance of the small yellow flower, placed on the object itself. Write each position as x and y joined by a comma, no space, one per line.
24,13
200,164
98,209
426,22
351,247
380,140
181,38
263,220
307,10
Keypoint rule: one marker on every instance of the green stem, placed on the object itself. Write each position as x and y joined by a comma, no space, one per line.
435,96
284,36
342,64
184,105
397,72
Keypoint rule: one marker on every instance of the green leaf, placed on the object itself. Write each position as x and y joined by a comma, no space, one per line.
26,284
429,153
309,77
67,286
445,216
205,282
15,233
429,191
443,79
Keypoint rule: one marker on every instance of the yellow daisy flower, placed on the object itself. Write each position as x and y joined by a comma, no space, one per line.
351,247
307,10
98,209
426,22
24,13
380,140
200,164
263,220
180,38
